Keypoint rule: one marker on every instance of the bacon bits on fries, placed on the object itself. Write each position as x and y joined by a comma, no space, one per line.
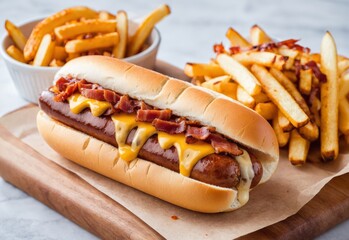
304,95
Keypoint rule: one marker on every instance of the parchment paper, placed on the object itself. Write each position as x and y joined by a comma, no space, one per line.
283,195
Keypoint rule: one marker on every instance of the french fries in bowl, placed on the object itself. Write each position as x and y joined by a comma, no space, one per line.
304,95
34,51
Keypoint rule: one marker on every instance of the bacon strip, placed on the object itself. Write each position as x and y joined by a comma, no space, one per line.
222,145
200,133
169,127
125,104
150,115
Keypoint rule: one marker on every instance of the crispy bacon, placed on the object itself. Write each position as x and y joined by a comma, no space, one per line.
150,115
235,49
298,67
70,89
142,105
316,70
200,133
218,48
125,104
222,145
61,84
169,127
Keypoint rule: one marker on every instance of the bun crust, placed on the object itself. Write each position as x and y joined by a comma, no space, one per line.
229,117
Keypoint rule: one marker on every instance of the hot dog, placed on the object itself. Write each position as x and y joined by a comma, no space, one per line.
180,143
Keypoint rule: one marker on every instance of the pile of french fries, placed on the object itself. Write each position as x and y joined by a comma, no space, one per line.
305,96
80,31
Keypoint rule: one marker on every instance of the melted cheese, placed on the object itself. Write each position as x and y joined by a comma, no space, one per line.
247,175
124,123
77,103
188,154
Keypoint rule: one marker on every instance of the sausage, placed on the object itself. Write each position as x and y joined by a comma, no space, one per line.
216,169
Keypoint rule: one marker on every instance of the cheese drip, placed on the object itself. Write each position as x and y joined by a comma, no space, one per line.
77,103
124,123
188,154
247,175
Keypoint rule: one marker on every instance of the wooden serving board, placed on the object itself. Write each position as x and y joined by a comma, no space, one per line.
70,195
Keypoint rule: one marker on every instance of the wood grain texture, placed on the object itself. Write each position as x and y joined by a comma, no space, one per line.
67,193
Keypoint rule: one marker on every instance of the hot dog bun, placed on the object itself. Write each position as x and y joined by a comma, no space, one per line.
229,117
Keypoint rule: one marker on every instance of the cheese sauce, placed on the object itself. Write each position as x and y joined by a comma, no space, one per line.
77,103
247,175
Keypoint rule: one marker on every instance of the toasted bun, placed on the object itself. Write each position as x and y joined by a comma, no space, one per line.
229,117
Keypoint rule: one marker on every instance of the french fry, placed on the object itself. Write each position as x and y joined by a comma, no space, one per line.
291,54
16,35
145,28
239,73
119,50
281,136
267,110
344,116
267,59
245,98
229,89
258,35
15,53
310,131
261,98
104,15
102,41
203,69
291,75
298,148
72,56
291,89
283,122
50,23
56,63
305,81
280,97
314,109
45,52
89,26
329,99
343,65
343,86
60,53
316,57
236,39
215,83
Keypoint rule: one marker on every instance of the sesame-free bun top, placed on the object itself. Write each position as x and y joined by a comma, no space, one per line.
228,116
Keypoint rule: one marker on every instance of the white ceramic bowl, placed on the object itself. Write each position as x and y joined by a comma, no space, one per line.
30,80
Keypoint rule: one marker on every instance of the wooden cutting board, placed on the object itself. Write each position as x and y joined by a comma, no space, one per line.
80,202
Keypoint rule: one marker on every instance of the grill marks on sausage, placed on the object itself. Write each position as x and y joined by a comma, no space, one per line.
162,120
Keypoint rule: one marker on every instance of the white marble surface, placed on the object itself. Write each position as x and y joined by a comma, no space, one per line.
187,35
